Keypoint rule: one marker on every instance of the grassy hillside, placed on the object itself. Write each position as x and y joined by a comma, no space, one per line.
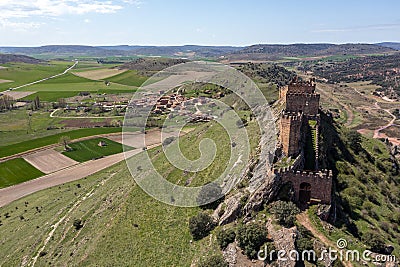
16,171
122,225
367,187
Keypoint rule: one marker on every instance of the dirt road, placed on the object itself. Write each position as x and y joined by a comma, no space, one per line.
304,220
73,173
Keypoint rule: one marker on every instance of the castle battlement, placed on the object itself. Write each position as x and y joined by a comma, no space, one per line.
292,116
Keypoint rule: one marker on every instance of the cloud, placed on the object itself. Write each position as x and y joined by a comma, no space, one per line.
360,28
19,26
12,10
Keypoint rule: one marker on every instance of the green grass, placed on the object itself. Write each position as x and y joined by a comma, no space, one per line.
51,96
89,149
16,171
53,139
22,73
131,78
91,86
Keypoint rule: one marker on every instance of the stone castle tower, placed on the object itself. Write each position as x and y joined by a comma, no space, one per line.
299,132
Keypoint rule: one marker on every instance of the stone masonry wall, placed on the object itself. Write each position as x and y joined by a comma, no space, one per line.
321,183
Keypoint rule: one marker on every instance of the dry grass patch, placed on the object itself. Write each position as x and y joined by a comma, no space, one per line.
99,74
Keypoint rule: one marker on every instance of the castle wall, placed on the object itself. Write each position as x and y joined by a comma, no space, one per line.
301,87
321,184
306,103
290,133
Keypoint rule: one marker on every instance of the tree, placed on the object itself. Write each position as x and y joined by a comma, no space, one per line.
65,140
62,103
374,241
285,212
201,225
354,140
36,103
225,237
250,237
77,224
210,196
215,260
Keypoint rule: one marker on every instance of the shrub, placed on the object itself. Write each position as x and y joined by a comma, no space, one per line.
77,224
215,260
200,225
374,241
225,237
285,212
250,237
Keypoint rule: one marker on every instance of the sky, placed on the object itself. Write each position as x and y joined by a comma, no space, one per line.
201,22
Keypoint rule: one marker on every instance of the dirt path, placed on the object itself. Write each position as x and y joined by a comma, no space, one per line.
48,78
349,111
377,133
304,220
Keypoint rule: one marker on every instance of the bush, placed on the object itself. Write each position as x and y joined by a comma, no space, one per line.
215,260
285,212
250,237
374,241
200,225
225,237
77,224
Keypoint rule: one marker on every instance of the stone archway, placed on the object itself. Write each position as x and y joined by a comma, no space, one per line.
305,193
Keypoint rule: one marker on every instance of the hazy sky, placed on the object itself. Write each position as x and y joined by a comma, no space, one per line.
205,22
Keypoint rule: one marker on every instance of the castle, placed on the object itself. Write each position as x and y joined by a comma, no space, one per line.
299,138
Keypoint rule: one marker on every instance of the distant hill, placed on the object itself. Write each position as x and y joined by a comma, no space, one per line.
254,52
392,45
273,52
63,50
189,51
147,66
6,58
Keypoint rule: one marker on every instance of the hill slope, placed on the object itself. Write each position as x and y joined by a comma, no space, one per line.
6,58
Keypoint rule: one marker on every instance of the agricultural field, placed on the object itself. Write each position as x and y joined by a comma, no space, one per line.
22,73
90,149
12,149
16,171
130,77
98,74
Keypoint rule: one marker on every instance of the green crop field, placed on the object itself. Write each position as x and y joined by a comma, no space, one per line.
90,86
16,171
21,73
51,96
89,149
53,139
130,77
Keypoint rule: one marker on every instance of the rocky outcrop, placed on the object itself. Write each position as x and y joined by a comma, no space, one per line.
264,194
230,254
284,239
229,210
